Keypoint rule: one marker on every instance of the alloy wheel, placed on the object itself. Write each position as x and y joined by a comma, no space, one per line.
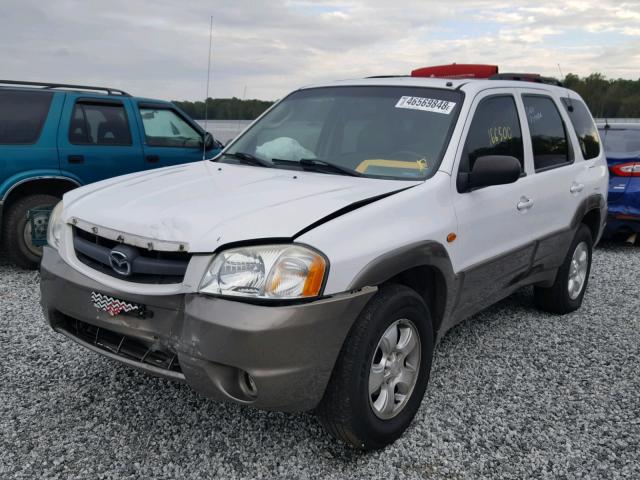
394,369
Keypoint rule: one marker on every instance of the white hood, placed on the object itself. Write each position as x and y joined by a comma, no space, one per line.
207,204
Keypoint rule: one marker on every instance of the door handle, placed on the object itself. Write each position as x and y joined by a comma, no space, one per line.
75,159
525,203
152,158
576,187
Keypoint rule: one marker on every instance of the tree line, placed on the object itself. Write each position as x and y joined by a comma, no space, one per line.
224,108
605,98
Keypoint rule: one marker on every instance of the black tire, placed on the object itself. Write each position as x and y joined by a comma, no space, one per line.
20,253
556,299
345,410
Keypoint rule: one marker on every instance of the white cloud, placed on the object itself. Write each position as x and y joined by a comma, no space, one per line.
160,48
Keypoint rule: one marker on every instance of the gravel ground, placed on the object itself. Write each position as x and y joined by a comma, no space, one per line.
514,394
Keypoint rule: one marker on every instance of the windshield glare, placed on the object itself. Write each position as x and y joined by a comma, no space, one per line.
382,132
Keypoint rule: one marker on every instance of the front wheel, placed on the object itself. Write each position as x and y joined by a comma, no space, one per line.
27,220
568,290
382,372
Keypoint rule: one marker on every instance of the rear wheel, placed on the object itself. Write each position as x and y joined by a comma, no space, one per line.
20,230
566,294
382,372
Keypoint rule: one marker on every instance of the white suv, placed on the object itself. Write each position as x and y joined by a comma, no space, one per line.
314,264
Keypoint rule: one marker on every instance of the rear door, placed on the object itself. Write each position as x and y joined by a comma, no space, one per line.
98,138
169,137
559,168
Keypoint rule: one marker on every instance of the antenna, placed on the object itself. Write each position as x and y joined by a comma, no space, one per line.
570,106
239,120
206,111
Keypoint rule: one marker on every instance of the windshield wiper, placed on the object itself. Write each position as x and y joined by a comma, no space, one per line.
249,159
317,165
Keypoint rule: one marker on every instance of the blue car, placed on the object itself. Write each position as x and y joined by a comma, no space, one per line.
56,137
622,147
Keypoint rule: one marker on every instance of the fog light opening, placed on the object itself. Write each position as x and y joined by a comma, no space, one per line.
248,384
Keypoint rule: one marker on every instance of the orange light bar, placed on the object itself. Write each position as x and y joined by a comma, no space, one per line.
457,70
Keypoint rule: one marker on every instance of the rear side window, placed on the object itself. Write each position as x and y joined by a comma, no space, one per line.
495,130
548,134
99,124
164,128
22,115
585,128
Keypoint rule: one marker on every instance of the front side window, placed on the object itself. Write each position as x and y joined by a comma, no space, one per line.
164,128
22,115
548,134
585,128
495,130
372,131
99,124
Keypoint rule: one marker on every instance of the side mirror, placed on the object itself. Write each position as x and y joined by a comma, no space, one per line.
488,171
209,141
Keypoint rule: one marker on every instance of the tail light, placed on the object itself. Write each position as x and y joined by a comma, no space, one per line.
631,169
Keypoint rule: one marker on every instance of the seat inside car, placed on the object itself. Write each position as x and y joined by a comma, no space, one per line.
112,132
77,133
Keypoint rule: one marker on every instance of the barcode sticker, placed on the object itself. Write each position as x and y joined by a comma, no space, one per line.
426,104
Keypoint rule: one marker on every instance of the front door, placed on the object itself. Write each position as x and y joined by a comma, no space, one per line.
494,223
169,138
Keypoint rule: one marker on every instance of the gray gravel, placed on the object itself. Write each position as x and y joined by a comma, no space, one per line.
514,394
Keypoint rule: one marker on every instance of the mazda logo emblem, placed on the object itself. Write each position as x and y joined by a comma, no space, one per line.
120,263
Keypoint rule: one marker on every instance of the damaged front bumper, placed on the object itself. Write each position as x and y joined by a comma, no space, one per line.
272,357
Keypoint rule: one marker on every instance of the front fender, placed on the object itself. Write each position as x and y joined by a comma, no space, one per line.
421,254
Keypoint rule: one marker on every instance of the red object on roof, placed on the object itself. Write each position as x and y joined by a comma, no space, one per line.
457,70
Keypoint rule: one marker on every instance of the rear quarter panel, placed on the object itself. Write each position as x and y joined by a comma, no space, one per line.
21,162
618,186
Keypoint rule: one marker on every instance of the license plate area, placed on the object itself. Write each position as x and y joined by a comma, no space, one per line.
116,306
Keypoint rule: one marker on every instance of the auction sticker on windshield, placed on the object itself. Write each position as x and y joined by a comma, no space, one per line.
426,104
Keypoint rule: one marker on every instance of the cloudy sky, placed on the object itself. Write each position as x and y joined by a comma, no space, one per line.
159,48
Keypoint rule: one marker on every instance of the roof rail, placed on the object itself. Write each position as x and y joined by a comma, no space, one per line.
47,85
527,77
387,76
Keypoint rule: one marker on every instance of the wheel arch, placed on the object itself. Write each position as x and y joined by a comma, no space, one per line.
49,184
593,221
424,267
592,212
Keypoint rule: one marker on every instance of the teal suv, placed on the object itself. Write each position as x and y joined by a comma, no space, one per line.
55,137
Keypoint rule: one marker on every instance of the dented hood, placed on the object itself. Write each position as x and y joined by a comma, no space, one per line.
206,204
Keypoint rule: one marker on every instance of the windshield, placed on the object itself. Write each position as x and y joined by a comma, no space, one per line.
380,132
621,142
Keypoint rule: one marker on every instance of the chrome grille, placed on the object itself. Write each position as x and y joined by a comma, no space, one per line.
150,266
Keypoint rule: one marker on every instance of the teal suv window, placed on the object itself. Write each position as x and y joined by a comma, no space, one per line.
99,124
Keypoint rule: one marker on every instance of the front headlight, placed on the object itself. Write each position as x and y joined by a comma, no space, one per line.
267,271
55,228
